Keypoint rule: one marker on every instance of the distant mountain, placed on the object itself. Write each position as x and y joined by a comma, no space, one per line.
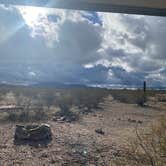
120,86
44,84
74,85
58,85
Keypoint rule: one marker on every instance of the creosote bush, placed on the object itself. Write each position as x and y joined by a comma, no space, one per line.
27,116
12,116
147,148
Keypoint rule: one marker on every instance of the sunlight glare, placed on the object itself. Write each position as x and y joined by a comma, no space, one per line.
32,15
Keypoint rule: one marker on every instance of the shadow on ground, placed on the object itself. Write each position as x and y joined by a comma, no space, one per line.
37,144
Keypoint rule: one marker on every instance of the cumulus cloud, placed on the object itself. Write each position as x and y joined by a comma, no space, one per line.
81,47
138,39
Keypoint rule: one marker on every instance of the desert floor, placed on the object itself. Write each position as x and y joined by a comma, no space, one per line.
77,143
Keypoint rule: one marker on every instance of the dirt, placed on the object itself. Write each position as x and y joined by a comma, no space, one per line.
77,144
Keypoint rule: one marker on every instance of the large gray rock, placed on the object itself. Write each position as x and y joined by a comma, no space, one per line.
33,132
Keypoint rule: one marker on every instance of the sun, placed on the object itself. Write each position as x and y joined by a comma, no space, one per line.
32,15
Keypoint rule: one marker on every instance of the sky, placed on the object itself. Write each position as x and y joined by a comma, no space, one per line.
79,47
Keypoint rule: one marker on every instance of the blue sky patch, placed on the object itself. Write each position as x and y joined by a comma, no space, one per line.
53,17
93,17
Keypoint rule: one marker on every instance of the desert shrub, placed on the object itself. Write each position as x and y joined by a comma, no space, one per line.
126,96
89,98
68,116
12,116
48,99
65,103
65,100
39,114
131,96
140,102
18,116
161,97
148,148
24,116
27,114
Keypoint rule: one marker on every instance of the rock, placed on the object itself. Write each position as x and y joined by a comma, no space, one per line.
132,120
100,131
66,118
140,121
63,118
33,132
21,133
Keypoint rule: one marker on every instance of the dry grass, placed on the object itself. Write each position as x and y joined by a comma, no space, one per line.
147,148
96,109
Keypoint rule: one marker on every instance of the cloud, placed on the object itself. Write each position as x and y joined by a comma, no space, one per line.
134,43
81,47
65,33
78,42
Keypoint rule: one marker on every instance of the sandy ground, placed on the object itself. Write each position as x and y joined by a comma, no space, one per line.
77,144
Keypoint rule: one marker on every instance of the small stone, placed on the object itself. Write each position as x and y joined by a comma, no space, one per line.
100,131
140,121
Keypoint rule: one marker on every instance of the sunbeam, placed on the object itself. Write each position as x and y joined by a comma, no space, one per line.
7,34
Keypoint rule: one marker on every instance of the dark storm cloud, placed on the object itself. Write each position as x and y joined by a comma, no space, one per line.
78,42
128,78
